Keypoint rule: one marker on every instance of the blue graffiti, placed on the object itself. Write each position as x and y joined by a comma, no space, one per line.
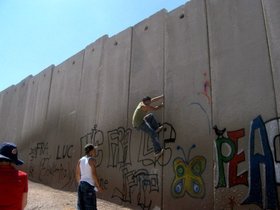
255,194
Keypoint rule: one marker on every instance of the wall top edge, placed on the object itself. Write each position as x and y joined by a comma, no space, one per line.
104,37
52,67
71,59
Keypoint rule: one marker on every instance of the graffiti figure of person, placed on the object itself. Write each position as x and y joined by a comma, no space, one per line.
144,120
88,182
13,182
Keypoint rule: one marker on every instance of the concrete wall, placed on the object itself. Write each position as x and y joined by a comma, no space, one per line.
242,88
216,62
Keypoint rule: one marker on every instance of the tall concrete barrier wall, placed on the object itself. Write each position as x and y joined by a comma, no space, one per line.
271,15
217,64
35,120
242,88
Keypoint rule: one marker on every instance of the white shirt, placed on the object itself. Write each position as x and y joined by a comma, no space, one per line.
86,171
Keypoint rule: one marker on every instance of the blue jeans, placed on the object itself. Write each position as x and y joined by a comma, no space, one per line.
149,126
86,197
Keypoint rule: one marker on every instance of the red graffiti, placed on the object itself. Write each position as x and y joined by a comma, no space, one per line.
234,178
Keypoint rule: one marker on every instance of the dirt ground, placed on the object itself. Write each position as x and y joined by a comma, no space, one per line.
46,198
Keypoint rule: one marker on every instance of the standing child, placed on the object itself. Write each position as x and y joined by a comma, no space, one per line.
87,179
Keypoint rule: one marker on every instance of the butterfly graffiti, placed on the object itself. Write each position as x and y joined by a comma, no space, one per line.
188,175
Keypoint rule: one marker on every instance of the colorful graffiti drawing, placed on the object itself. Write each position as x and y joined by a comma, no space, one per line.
273,134
206,88
267,198
188,175
263,173
233,158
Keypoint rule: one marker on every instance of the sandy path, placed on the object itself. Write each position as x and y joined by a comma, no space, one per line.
46,198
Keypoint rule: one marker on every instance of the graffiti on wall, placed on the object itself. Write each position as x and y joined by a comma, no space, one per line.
206,88
58,167
95,137
119,147
146,152
64,151
139,182
188,175
263,172
38,151
232,158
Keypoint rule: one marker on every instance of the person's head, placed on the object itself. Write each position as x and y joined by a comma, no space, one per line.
146,100
9,153
90,150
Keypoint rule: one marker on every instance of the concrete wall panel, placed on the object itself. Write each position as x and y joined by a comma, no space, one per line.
35,120
147,58
12,114
237,41
271,17
146,78
111,115
8,100
242,89
60,143
188,107
114,81
216,62
90,82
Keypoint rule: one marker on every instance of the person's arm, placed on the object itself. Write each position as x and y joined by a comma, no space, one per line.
152,108
94,175
157,98
24,200
78,173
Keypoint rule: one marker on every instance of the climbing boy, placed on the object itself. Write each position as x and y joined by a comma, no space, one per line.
144,120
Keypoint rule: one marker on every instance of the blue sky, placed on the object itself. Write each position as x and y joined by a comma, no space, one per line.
38,33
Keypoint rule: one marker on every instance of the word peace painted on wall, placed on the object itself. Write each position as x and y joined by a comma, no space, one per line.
261,133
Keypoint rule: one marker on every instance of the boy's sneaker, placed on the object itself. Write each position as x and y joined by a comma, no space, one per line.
158,154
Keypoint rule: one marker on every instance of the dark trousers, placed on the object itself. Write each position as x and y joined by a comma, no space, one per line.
86,197
149,126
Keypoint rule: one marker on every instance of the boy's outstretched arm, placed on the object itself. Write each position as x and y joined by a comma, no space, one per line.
157,98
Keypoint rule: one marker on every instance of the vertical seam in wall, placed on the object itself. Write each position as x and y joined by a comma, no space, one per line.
129,78
82,71
99,75
81,76
164,61
49,94
78,105
270,58
163,92
209,60
210,77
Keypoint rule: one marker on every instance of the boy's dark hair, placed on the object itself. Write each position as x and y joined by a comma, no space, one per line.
88,148
147,98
